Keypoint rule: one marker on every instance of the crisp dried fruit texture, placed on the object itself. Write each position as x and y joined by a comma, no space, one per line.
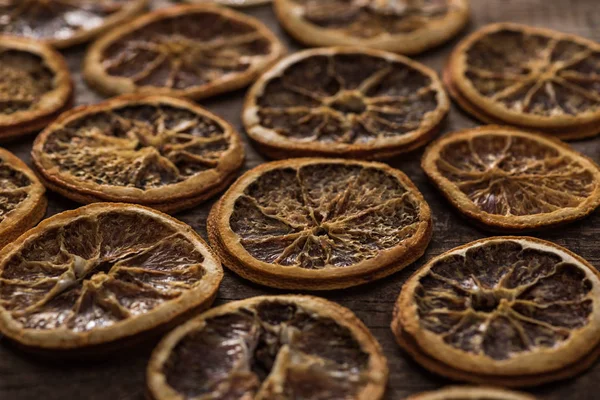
286,347
512,180
192,51
471,393
63,23
530,77
503,307
403,26
320,223
22,200
35,86
151,150
344,101
100,273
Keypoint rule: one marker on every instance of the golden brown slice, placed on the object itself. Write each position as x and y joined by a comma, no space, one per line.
507,311
270,347
401,26
35,86
166,153
320,224
194,51
471,393
22,199
101,273
511,180
344,101
528,77
63,23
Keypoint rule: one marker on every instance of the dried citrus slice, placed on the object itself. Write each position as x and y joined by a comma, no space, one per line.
233,3
158,151
504,311
35,86
471,393
320,224
270,347
401,26
101,273
529,77
63,23
22,199
511,180
194,51
344,101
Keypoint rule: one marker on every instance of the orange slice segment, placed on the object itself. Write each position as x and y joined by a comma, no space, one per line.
194,51
511,180
320,224
406,27
35,86
102,273
528,77
159,151
64,23
507,311
270,347
22,199
347,102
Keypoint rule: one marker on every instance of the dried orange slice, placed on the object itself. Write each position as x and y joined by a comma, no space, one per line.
63,23
320,224
471,393
511,180
35,86
101,273
270,347
400,26
344,101
22,199
166,153
528,77
194,51
505,311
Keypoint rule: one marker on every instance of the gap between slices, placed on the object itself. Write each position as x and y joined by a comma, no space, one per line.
276,346
63,23
166,153
398,26
550,85
102,273
509,311
190,51
320,223
344,101
511,180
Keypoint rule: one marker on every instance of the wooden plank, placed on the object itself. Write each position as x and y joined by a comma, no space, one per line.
27,378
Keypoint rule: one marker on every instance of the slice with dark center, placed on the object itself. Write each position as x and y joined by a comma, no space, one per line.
64,23
35,86
22,199
344,101
270,347
507,311
528,77
166,153
320,224
105,272
400,26
510,180
194,51
471,393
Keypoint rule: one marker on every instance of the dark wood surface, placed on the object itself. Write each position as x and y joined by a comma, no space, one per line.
122,377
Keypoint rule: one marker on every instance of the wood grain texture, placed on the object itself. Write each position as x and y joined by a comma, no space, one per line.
121,377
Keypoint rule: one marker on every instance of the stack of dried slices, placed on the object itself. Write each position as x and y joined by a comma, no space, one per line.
506,311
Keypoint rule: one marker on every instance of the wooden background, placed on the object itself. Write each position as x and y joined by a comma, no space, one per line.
122,377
